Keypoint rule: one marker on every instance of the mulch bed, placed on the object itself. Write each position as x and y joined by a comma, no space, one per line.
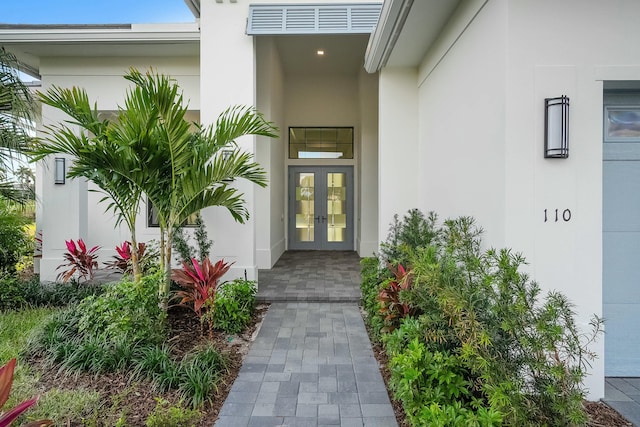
137,399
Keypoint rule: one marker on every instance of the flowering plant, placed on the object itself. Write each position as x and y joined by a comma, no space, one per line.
79,260
199,284
122,261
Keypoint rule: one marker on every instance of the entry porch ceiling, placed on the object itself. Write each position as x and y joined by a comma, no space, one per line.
343,54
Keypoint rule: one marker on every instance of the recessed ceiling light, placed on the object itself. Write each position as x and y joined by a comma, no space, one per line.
320,52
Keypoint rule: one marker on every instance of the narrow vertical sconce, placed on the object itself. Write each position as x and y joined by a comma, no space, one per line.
556,127
59,172
226,154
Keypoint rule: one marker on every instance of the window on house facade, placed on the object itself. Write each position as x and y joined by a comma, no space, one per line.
152,217
622,123
321,143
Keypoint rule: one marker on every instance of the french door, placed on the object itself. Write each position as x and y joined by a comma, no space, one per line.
321,207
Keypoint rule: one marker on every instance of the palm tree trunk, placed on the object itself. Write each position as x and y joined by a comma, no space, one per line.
167,260
163,265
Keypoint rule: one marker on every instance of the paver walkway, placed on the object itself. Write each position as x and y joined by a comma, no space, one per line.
325,276
311,363
623,395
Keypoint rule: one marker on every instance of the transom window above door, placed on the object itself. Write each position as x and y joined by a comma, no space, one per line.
321,143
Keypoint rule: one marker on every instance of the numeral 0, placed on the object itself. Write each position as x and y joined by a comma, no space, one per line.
556,215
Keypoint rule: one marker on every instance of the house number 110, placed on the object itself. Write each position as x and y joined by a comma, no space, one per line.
565,215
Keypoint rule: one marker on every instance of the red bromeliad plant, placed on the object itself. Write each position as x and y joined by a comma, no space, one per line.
6,381
79,260
199,284
122,261
389,296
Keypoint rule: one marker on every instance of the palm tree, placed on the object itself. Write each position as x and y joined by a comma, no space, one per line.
152,149
17,112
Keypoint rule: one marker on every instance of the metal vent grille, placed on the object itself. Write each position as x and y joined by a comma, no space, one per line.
268,20
365,18
348,18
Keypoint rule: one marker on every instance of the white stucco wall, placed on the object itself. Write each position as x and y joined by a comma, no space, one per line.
479,128
270,218
568,57
367,224
69,211
398,163
461,130
228,78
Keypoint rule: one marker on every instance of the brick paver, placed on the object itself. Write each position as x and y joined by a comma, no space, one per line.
623,395
310,365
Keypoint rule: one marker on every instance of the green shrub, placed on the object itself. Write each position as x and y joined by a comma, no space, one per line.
102,333
199,374
15,242
59,294
506,354
182,246
16,293
12,292
234,305
372,277
126,310
167,415
415,230
196,376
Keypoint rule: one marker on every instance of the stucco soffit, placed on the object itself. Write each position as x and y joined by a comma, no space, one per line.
406,31
43,35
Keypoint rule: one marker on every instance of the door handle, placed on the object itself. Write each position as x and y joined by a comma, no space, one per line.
318,219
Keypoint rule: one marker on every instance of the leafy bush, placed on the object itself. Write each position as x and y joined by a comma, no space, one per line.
392,308
58,294
372,276
16,293
80,261
480,345
415,230
12,294
195,376
103,332
167,415
199,284
126,310
234,305
199,374
184,250
14,239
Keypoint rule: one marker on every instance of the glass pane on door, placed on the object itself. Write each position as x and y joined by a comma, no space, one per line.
305,207
336,219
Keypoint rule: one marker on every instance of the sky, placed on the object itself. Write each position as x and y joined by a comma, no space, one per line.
94,11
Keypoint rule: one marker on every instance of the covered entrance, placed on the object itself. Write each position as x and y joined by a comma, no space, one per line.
321,207
310,81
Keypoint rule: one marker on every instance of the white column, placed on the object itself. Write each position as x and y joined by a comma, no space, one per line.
227,73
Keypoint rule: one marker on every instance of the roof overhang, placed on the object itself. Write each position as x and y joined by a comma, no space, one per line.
405,32
194,6
31,42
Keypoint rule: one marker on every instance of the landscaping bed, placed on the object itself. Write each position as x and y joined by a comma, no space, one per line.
131,402
600,414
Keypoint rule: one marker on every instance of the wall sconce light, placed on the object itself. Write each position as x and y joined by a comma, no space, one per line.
226,154
556,127
59,172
